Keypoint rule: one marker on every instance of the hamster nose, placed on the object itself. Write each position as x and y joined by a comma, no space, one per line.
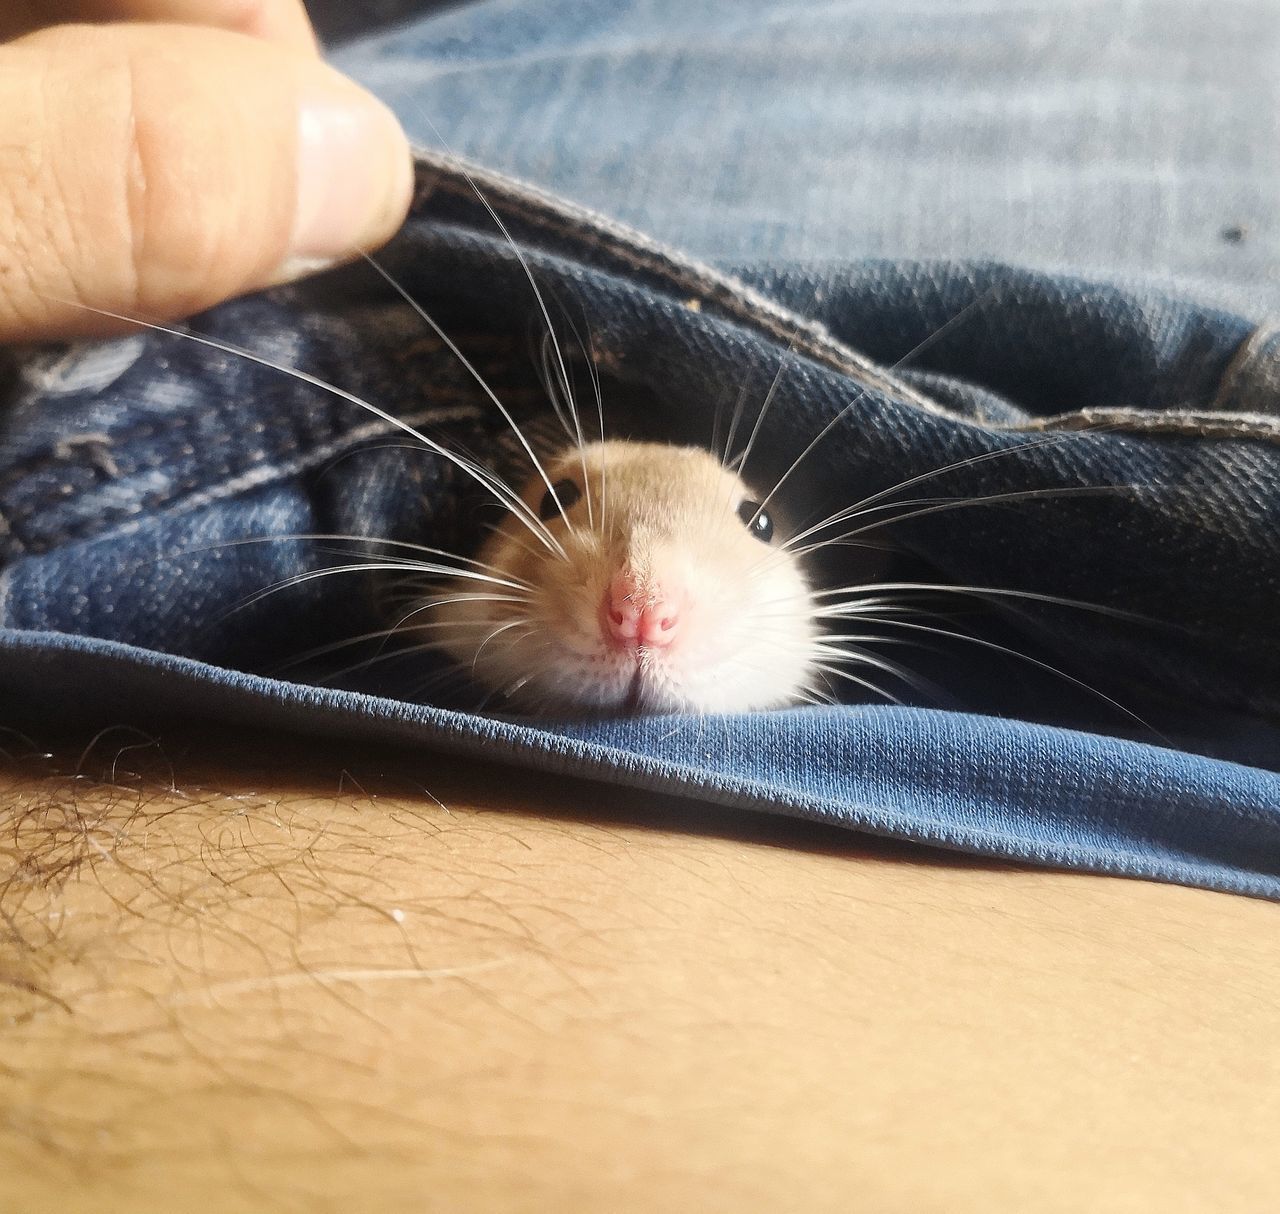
635,614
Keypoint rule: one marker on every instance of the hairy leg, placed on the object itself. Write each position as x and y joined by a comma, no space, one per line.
279,979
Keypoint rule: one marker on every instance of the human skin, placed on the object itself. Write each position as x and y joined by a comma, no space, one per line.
238,975
177,154
253,976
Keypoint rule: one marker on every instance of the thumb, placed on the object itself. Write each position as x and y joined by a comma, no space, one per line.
157,170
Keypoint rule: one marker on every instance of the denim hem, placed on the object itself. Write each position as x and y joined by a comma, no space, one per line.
1134,810
157,491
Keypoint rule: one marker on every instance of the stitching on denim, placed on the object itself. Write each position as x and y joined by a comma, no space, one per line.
1256,361
178,433
262,471
171,428
567,220
1190,423
256,477
63,452
285,443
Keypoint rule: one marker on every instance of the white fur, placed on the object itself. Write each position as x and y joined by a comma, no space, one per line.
747,631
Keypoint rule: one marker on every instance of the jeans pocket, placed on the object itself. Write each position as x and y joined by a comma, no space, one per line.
1091,467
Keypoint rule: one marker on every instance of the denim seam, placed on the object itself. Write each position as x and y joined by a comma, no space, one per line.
741,302
100,445
286,444
586,227
1254,369
1190,423
64,454
254,476
187,484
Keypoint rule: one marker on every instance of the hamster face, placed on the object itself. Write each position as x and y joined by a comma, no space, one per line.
670,596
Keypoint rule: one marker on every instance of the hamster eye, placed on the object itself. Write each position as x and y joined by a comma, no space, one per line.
758,523
566,491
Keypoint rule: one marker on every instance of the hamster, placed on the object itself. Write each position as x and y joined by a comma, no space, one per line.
657,585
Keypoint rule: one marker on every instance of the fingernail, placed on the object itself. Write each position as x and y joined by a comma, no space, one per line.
355,176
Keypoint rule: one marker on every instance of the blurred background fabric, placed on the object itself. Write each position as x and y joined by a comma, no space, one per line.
1120,139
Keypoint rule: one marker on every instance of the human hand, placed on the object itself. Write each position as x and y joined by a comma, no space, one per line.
184,153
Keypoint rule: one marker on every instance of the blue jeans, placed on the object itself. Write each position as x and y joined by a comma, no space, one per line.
139,478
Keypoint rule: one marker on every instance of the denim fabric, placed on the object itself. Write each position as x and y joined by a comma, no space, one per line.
1112,140
132,468
139,477
976,784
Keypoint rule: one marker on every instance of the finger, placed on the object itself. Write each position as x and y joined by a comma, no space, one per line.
283,21
160,169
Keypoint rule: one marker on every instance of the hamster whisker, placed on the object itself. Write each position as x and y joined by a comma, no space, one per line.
431,626
1026,657
589,354
568,413
507,578
937,506
840,646
723,451
858,605
518,622
473,575
511,689
811,696
445,599
469,367
739,463
968,462
861,393
851,654
437,682
389,655
364,567
312,575
928,504
835,644
528,273
813,442
853,678
775,555
517,541
483,476
972,306
321,651
866,606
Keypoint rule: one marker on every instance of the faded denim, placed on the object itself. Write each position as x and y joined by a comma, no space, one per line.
131,472
1118,141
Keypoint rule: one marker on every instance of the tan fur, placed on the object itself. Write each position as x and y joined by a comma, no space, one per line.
669,515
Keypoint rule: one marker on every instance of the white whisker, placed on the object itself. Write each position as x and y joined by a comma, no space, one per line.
481,475
470,368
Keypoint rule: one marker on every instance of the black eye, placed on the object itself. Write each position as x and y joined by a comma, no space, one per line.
566,491
758,523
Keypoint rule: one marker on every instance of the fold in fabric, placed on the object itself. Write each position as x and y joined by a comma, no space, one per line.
153,488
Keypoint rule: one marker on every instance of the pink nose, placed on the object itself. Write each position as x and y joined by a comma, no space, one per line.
636,614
